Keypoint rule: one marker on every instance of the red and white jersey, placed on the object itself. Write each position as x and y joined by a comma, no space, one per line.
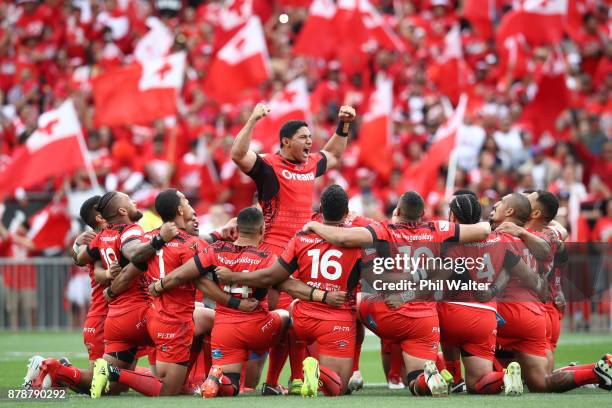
499,251
284,191
108,246
516,291
240,259
176,304
324,266
98,306
416,239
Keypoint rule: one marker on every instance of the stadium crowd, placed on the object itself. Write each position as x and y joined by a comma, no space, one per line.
53,49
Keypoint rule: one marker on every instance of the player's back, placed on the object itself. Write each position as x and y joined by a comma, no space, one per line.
239,259
497,251
516,290
107,246
416,240
177,303
327,267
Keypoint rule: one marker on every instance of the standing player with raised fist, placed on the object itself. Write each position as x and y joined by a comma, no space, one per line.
285,183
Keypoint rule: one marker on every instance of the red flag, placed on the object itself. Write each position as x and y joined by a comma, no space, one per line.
361,29
49,227
317,36
242,64
422,176
552,96
292,103
52,150
540,21
449,71
480,14
375,130
138,94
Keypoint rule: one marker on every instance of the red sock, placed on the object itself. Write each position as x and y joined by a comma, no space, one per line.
226,388
583,377
454,367
71,376
440,361
395,365
578,367
357,355
331,382
143,370
277,359
419,386
297,354
497,366
207,351
490,383
145,384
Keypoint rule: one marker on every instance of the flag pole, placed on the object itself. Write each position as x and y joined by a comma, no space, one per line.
450,175
87,159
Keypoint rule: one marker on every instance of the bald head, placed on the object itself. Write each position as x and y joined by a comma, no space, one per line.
520,206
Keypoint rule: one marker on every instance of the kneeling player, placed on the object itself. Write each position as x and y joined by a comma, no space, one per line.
321,266
241,323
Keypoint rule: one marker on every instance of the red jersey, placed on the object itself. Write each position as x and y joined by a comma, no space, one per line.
108,246
516,291
416,239
98,306
284,191
324,266
176,304
351,220
240,259
499,251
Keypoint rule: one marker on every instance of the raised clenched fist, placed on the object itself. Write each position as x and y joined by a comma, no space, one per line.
260,111
347,113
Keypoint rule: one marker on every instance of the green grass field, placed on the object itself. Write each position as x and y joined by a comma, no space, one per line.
15,349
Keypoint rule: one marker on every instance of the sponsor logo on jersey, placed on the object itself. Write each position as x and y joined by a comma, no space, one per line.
296,176
217,354
443,225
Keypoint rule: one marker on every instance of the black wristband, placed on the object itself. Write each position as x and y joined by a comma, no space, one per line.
215,236
324,297
157,242
233,302
494,290
312,293
343,128
109,292
161,283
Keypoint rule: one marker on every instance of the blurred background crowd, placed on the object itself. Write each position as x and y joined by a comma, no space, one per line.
539,115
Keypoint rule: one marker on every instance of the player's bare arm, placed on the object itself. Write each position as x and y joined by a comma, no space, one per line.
141,252
262,278
336,145
537,246
82,240
474,232
560,229
343,237
82,257
299,290
181,275
212,291
102,275
122,281
495,288
228,232
529,277
240,152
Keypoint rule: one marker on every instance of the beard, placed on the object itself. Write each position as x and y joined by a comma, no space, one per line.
135,216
